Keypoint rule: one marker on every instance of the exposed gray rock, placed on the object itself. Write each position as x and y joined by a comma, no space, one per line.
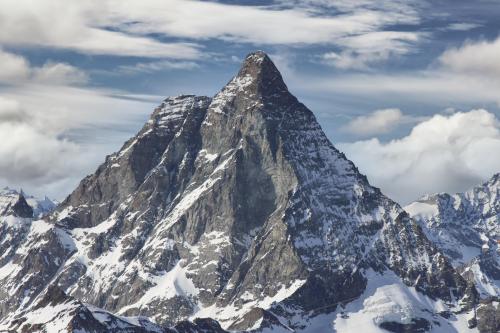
199,325
417,325
21,208
488,318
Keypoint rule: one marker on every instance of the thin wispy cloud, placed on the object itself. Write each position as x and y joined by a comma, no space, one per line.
431,86
462,26
156,66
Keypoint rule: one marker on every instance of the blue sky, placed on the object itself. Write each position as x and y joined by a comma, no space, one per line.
410,90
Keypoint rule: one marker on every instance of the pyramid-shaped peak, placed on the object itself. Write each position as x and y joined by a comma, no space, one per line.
256,63
257,58
260,68
21,208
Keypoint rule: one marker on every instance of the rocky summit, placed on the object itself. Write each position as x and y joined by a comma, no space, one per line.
231,213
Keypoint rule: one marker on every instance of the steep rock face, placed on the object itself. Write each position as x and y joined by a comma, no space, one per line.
238,208
100,194
21,208
488,317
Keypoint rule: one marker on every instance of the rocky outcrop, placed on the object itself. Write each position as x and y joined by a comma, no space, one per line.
21,208
488,317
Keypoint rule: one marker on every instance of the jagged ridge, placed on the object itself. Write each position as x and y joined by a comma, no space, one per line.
466,228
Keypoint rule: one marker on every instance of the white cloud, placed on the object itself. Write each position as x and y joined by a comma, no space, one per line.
261,25
480,57
429,86
359,52
156,66
462,26
124,27
28,150
59,73
83,26
408,11
54,135
15,69
468,74
377,122
442,154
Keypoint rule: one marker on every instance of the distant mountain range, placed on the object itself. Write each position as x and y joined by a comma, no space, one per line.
236,213
466,228
13,202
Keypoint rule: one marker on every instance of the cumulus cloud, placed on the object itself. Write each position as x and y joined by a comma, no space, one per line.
446,153
377,122
480,57
15,69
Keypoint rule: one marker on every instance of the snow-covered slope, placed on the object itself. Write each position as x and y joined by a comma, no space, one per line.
466,227
238,208
58,313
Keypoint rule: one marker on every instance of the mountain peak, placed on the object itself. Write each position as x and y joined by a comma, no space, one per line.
21,208
259,67
190,217
257,59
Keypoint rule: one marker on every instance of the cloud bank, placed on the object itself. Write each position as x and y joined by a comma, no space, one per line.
30,150
442,154
54,135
